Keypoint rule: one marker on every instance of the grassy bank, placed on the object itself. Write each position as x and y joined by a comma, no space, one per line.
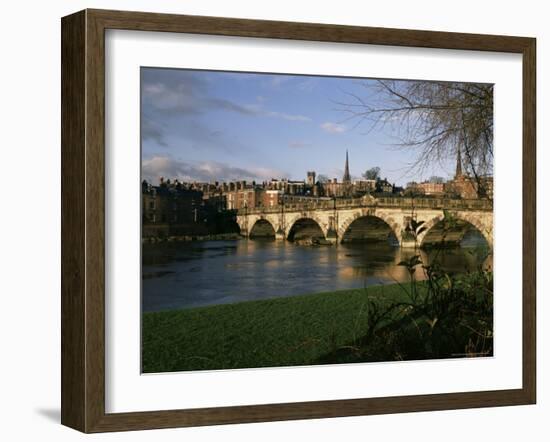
298,330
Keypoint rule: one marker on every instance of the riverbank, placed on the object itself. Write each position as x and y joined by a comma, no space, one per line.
187,238
227,237
298,330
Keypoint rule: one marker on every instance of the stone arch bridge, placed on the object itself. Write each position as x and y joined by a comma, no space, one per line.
341,220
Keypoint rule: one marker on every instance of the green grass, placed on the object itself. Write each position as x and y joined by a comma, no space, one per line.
296,330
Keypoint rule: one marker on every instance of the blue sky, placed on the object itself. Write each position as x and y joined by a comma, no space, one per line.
208,126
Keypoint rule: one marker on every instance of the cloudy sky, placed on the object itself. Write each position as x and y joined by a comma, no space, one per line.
208,126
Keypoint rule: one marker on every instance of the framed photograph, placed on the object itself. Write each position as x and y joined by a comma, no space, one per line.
270,220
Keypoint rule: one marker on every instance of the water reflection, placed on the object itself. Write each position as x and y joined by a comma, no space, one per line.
183,275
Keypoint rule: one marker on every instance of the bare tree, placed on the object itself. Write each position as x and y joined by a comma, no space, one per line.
438,119
372,174
322,179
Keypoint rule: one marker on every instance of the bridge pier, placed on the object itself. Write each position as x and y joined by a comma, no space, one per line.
408,244
332,236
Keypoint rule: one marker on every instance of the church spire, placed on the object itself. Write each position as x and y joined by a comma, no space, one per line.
347,177
458,164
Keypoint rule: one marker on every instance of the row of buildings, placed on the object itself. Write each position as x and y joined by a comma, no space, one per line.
177,202
213,204
461,186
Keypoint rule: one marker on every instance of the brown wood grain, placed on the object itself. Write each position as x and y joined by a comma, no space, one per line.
529,220
73,252
83,219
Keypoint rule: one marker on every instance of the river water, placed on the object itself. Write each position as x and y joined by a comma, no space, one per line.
179,275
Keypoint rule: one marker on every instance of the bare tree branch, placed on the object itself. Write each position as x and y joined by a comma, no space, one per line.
437,119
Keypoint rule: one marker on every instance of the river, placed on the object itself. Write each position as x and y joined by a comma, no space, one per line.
179,275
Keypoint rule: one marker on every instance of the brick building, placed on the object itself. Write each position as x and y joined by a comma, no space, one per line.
469,187
428,188
170,204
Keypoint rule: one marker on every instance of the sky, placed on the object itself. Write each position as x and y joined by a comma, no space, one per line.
220,126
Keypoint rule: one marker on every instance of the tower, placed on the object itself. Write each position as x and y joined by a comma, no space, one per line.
458,164
311,178
347,177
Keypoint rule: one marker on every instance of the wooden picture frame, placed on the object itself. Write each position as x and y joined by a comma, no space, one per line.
83,220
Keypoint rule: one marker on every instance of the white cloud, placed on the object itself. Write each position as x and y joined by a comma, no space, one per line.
333,128
206,171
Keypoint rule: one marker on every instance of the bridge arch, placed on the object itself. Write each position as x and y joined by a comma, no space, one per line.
378,221
248,222
305,227
465,222
262,228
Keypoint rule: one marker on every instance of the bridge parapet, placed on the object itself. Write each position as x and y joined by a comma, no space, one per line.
436,203
382,202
